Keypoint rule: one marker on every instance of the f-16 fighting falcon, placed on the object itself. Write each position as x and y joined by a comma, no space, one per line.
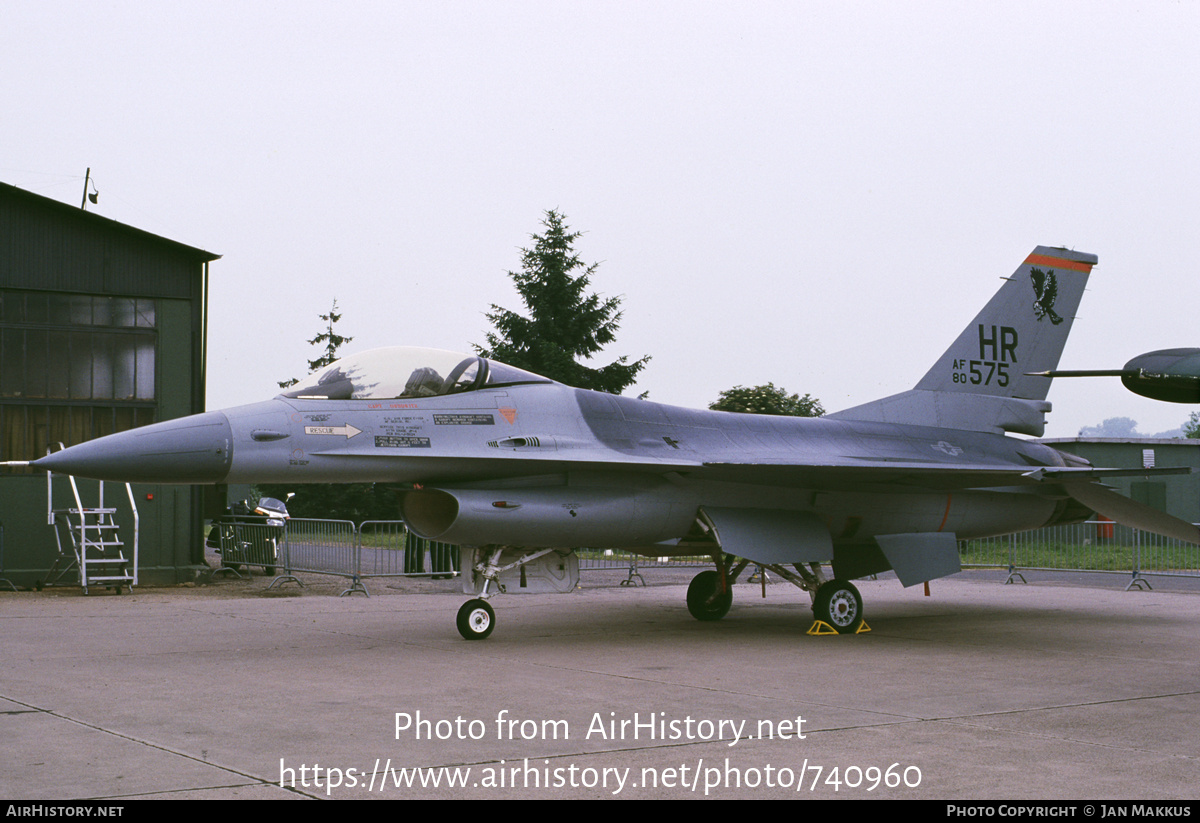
518,469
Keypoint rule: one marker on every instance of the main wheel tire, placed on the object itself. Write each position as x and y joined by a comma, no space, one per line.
840,605
476,620
700,597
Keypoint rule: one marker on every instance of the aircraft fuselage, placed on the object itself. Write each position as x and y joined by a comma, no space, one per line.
637,471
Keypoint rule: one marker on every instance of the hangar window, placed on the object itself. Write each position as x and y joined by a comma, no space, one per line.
75,367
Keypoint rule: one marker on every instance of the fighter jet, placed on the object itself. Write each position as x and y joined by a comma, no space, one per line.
518,469
1172,375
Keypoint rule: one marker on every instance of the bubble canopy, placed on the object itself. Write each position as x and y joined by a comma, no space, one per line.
407,371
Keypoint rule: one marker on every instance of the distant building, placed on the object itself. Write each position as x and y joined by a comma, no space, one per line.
1176,494
102,329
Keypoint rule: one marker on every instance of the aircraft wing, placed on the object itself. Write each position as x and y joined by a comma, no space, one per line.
856,473
1080,483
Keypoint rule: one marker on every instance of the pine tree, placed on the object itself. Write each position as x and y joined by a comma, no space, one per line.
564,321
330,338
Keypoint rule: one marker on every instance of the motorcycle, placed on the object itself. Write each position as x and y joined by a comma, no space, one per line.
250,533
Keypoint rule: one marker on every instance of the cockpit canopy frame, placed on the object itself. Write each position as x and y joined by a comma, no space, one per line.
397,372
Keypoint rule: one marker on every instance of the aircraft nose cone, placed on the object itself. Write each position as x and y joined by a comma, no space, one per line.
196,449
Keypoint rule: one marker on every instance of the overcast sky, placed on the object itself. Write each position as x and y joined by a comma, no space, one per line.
821,195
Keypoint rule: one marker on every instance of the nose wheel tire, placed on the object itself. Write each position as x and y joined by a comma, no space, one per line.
702,599
840,605
476,620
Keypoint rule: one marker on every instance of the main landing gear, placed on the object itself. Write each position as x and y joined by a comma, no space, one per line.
709,597
834,602
839,604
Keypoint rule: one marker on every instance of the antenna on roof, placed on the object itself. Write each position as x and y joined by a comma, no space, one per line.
94,196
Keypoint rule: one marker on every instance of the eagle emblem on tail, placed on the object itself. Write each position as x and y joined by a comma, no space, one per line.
1045,291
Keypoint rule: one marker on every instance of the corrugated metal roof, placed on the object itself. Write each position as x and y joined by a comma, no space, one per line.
50,246
68,212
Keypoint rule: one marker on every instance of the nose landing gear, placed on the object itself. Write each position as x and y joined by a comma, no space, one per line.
476,619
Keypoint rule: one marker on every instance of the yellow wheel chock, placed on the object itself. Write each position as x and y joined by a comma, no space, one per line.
820,628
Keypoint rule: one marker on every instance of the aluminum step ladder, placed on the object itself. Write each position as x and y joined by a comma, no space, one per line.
89,541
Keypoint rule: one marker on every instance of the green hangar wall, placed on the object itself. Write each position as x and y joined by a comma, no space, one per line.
1177,494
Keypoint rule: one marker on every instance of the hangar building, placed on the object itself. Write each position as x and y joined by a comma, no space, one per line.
1178,495
102,329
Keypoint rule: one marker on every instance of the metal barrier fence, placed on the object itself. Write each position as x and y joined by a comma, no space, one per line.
385,548
250,544
321,546
633,564
388,549
378,548
1094,546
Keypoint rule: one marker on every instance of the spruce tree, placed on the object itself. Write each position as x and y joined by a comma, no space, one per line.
564,322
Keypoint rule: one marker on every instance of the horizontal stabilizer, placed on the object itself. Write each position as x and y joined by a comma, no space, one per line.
919,557
1128,512
771,535
1077,473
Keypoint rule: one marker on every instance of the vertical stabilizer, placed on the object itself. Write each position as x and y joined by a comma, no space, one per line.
1023,328
981,383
